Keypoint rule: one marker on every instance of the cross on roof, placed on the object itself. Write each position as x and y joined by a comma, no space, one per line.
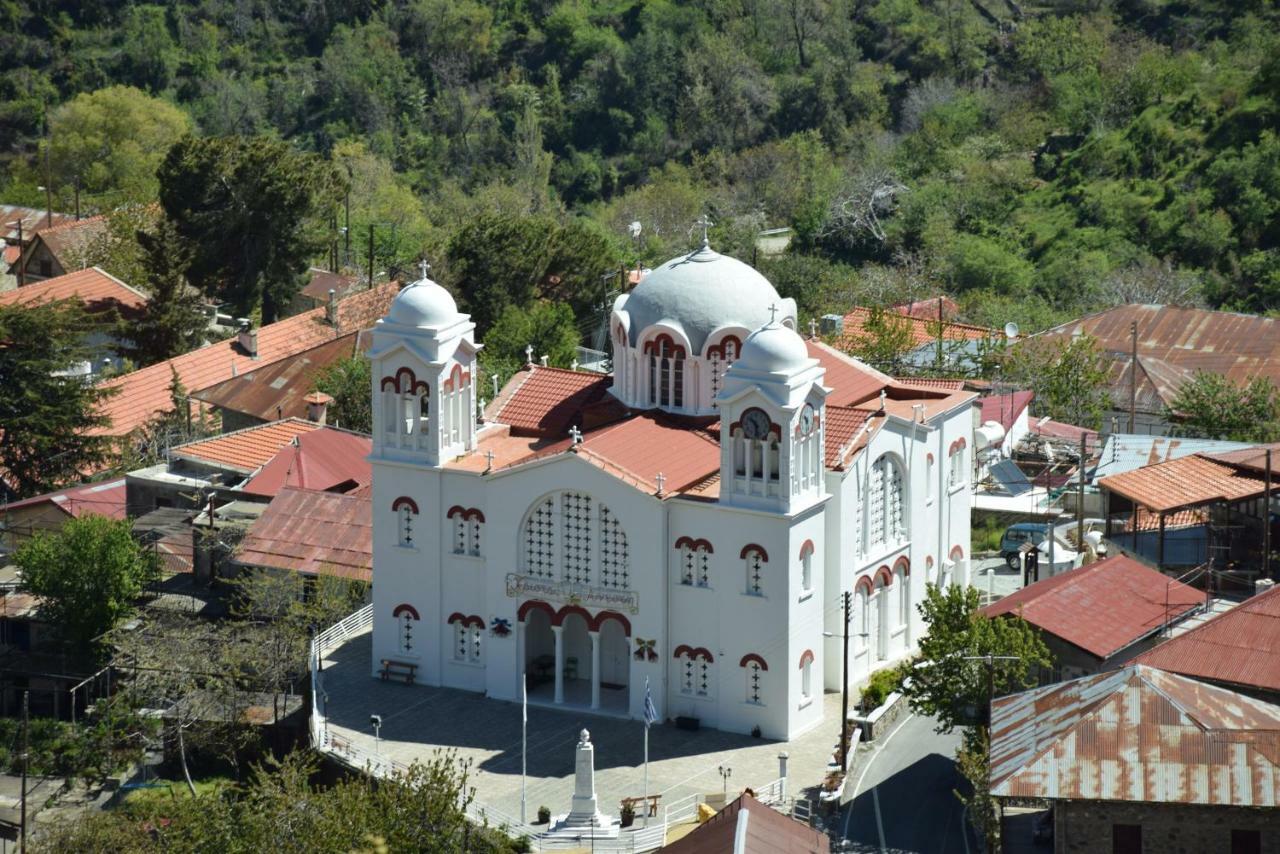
773,312
706,223
662,482
813,328
575,434
528,354
488,456
425,267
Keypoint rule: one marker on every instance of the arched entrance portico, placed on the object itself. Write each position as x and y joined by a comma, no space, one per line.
576,659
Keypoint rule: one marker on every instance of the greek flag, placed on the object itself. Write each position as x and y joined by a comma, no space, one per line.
650,713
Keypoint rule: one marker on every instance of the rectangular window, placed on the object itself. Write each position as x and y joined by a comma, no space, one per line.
1246,842
753,683
459,535
704,678
473,547
806,682
687,666
461,641
1126,839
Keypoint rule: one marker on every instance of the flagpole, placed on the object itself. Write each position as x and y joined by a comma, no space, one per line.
645,803
524,740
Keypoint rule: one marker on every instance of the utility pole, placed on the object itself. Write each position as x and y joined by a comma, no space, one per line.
26,761
370,255
844,685
1133,375
1080,499
990,661
22,257
1266,518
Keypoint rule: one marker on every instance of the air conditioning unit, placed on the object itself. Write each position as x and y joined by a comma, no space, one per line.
831,324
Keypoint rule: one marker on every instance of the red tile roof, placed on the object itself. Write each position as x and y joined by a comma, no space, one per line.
922,330
102,499
747,826
246,450
1136,734
845,431
932,383
850,380
547,401
1239,647
71,235
277,390
145,394
1101,608
1004,409
641,447
1185,482
927,309
318,533
324,459
97,290
323,280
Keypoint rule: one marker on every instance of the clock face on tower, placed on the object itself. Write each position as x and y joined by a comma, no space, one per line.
755,424
806,420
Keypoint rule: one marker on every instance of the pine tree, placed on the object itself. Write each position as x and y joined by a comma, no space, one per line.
174,321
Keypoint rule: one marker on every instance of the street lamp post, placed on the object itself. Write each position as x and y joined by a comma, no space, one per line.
725,773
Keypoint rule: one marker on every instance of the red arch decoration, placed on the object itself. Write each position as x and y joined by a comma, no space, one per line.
600,619
568,610
535,605
928,562
421,386
884,576
956,553
400,374
750,657
752,547
719,347
805,658
459,617
957,445
806,549
458,379
863,583
405,608
694,652
464,512
405,501
388,381
929,457
654,346
694,545
904,563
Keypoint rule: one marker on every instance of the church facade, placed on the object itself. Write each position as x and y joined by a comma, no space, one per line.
691,521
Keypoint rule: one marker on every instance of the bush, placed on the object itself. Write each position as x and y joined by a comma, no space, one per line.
882,684
544,815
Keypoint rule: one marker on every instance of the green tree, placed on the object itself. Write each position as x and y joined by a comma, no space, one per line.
885,338
1068,375
109,143
546,326
173,321
253,213
951,681
48,413
87,575
348,382
1212,406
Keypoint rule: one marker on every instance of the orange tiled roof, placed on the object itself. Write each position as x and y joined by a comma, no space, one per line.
97,290
651,443
921,329
547,400
249,449
935,383
845,431
1184,482
850,380
145,394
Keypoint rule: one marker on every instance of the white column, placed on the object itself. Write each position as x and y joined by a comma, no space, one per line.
595,669
558,631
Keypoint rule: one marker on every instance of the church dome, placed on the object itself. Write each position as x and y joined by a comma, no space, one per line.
423,303
773,349
702,292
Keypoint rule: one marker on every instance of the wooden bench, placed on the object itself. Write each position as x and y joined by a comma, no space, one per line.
639,802
398,669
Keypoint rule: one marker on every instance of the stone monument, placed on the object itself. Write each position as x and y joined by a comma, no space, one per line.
584,816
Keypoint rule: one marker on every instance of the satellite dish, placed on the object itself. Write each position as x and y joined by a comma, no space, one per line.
1011,330
634,228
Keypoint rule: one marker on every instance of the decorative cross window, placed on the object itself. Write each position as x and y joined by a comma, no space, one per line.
473,543
695,671
887,500
956,474
687,673
806,679
461,641
861,618
715,377
755,561
687,566
560,539
467,525
904,595
539,540
613,551
754,668
475,648
406,526
406,633
576,510
459,534
703,686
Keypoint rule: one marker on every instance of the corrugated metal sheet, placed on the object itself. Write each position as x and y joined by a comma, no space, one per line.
320,533
324,459
1128,451
766,831
1136,734
1173,343
277,390
1103,607
1239,647
1187,482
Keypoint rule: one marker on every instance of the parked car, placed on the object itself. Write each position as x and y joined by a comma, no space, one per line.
1015,536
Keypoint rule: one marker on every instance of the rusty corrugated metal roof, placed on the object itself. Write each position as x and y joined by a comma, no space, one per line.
277,390
319,533
1136,734
1239,647
1185,482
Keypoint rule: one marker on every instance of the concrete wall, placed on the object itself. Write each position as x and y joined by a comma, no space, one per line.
1086,826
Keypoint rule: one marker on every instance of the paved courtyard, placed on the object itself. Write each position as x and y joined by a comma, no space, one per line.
417,720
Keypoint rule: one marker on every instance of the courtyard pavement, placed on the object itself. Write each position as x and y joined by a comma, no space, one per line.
418,720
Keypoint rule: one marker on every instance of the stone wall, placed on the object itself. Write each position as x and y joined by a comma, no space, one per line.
1086,826
883,719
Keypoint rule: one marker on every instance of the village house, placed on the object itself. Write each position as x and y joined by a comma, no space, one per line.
933,345
58,249
693,520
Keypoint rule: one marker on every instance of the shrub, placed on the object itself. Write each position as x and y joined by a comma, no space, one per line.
544,815
882,684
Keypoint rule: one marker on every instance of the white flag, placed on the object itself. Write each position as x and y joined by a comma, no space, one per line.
524,699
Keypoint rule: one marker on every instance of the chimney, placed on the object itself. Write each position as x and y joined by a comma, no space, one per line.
247,337
317,406
331,308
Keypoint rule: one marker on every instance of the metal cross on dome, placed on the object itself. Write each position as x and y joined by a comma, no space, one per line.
528,354
773,312
706,223
425,266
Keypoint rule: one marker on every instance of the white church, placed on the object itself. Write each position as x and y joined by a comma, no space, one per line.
691,520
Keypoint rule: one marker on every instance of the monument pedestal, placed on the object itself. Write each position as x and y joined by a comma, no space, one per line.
584,818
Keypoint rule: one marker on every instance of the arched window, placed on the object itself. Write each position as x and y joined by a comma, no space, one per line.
467,525
755,668
405,509
756,459
806,676
861,614
695,671
806,565
754,558
902,581
468,638
957,474
572,536
666,372
695,562
887,502
406,617
719,358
